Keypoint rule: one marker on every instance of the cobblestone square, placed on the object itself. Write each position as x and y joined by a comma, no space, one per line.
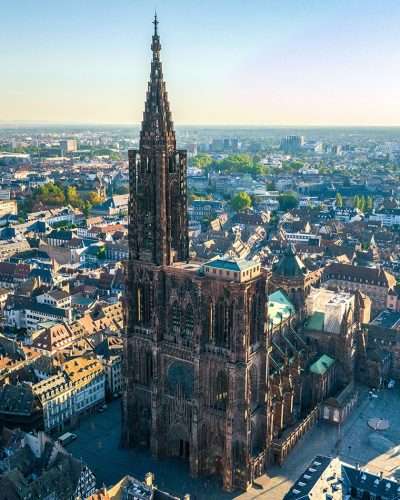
355,442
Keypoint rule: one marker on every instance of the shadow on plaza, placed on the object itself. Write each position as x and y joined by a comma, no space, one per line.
98,445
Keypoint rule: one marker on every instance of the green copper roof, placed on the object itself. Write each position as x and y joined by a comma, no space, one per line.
279,307
290,264
230,265
322,365
315,322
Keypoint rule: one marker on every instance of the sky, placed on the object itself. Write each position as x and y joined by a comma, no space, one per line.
226,62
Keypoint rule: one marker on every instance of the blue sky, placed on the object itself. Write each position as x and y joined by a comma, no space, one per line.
255,62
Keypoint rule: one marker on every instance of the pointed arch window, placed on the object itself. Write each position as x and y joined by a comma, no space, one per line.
221,391
223,320
171,165
254,320
253,386
189,321
143,305
139,304
175,318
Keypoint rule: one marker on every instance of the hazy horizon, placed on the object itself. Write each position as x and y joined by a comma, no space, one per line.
276,64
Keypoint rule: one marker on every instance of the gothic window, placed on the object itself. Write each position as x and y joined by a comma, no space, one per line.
203,438
253,320
180,380
210,321
221,391
139,304
149,367
143,306
223,316
239,456
253,385
189,322
171,165
175,318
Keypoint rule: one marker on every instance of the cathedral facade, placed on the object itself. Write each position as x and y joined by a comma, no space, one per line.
196,357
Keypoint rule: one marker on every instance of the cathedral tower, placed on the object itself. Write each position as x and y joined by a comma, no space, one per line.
196,357
158,216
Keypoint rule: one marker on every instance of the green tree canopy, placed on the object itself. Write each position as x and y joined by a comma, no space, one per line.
360,202
94,198
50,194
339,200
72,197
292,165
240,164
241,201
202,161
288,200
86,208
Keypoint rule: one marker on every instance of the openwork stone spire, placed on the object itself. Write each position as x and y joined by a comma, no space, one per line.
157,122
158,210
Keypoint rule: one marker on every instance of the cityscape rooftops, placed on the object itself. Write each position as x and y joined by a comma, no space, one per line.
364,481
79,369
290,264
302,489
387,319
50,387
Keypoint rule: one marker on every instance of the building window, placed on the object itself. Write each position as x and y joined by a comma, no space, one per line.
175,318
221,391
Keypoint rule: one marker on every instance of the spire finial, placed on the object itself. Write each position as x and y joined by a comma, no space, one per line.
155,22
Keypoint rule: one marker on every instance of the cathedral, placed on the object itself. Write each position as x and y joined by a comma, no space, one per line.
195,349
217,371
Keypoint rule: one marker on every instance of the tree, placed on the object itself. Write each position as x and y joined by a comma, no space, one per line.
288,166
240,164
339,200
111,153
101,252
50,194
94,198
86,208
356,201
241,201
202,161
370,203
362,203
288,200
72,197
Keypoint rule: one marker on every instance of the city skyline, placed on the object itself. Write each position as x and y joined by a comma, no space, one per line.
283,64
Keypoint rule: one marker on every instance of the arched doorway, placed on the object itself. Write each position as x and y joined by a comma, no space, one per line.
179,442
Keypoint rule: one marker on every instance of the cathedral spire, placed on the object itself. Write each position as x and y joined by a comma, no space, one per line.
155,22
158,229
157,121
156,46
